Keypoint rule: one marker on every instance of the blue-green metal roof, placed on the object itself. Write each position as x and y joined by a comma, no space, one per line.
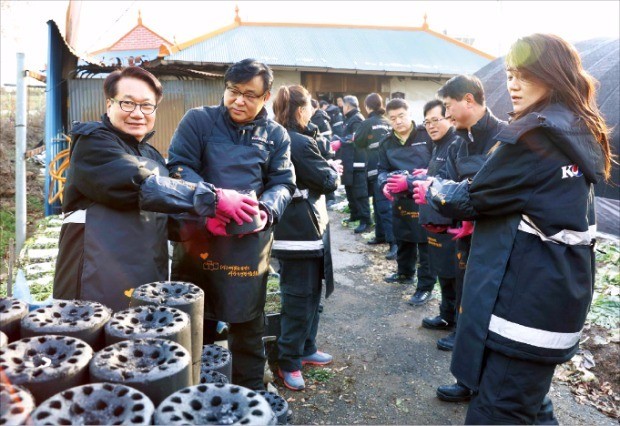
368,50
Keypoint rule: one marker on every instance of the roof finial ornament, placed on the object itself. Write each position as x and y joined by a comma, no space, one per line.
139,17
425,24
237,18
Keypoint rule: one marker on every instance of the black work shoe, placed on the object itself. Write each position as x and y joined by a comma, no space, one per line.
376,240
437,323
447,343
454,393
399,278
391,254
420,297
362,227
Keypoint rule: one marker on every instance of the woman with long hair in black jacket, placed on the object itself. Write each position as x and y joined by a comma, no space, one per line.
302,240
530,273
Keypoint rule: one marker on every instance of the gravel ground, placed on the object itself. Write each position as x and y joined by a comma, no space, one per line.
386,366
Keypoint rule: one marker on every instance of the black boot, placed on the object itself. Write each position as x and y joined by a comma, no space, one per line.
362,227
457,392
391,254
447,343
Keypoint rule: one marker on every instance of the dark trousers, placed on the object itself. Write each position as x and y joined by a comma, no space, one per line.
245,342
300,286
359,206
462,254
512,391
382,213
447,309
407,258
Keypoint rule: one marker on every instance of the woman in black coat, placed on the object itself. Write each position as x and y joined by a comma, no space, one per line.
302,240
530,274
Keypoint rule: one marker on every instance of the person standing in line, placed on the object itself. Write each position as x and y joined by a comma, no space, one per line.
530,274
463,97
320,123
367,139
302,242
340,104
321,119
440,244
354,163
114,235
336,119
406,148
235,146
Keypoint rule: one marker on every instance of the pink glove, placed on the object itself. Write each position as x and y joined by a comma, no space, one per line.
336,165
420,188
263,219
417,172
436,229
336,144
387,194
236,206
396,184
467,228
217,225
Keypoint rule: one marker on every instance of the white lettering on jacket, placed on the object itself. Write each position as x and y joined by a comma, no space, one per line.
570,171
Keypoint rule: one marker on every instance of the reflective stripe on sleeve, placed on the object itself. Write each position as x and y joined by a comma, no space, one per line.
373,145
533,336
359,165
373,173
565,236
77,216
297,245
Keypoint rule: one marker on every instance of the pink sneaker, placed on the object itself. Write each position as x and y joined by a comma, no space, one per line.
317,358
292,379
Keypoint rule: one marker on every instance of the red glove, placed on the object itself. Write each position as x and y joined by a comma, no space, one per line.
467,228
420,187
417,172
397,183
436,229
387,194
217,225
236,206
336,144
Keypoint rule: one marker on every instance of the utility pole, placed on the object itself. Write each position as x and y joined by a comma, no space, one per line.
21,120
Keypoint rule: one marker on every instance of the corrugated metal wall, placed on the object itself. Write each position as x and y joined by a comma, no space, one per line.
87,103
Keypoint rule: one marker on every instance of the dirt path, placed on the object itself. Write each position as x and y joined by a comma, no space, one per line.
386,366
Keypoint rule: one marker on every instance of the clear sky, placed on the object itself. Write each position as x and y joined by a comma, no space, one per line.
493,24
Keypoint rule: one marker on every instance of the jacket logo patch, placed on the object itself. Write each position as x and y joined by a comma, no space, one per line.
570,171
204,256
262,140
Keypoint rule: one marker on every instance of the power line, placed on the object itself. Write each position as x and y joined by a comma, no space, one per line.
109,28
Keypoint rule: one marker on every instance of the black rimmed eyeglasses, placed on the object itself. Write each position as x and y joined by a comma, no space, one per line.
130,106
432,121
248,96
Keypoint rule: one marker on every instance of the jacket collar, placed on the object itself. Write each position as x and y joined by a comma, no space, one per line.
448,137
352,113
482,129
260,118
411,137
321,113
567,132
124,136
